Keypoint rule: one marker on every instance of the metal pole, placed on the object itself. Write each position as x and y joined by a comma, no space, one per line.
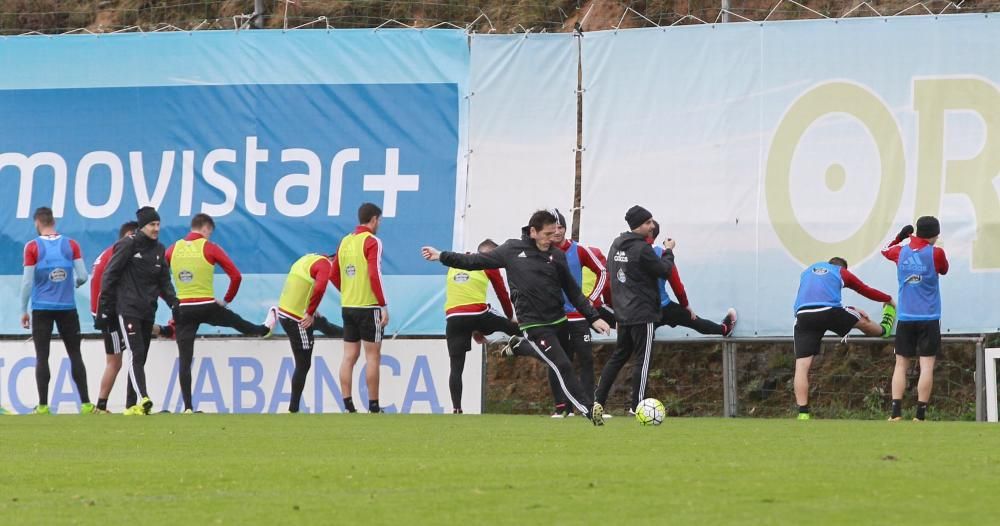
258,14
981,380
729,399
482,391
725,11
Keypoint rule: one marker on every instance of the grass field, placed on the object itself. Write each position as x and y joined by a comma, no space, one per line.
395,469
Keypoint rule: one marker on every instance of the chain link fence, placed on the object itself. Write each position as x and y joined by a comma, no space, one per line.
503,16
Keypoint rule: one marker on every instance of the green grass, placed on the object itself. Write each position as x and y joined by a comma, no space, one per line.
395,469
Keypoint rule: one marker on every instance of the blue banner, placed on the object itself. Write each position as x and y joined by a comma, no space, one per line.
280,161
281,168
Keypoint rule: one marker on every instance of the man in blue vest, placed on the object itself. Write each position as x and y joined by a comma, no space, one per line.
579,348
674,313
818,309
918,334
53,267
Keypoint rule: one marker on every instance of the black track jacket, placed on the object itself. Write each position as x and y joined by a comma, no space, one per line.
537,280
634,272
136,276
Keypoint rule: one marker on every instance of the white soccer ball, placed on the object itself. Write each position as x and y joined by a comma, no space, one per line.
650,412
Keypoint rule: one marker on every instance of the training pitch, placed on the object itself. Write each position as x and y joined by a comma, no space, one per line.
410,469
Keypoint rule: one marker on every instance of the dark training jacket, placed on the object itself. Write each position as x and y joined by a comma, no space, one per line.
537,280
634,271
136,276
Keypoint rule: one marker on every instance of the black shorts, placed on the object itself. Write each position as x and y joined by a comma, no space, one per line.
459,328
811,325
362,323
918,338
112,343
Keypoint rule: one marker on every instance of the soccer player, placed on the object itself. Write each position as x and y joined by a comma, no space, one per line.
539,277
635,271
136,276
357,274
113,346
300,297
53,267
467,314
578,258
680,313
818,308
192,263
918,334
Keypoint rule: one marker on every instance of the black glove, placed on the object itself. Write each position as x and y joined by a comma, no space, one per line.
104,321
906,232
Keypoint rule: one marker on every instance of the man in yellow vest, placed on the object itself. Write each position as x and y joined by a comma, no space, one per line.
467,313
296,311
357,273
192,263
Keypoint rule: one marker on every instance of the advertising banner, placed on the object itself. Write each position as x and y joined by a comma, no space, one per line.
764,148
249,376
278,136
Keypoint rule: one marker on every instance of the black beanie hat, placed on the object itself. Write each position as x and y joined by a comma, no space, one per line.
928,227
146,215
559,217
636,216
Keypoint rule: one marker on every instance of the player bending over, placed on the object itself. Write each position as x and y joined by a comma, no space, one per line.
818,309
467,315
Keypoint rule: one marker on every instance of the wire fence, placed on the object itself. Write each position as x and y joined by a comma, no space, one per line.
483,16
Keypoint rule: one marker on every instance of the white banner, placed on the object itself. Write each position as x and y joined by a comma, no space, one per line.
763,148
249,376
522,131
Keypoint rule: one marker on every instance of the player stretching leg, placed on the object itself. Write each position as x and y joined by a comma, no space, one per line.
918,334
192,263
818,309
680,313
296,311
467,315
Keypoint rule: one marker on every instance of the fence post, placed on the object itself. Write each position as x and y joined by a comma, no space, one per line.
482,391
729,401
980,380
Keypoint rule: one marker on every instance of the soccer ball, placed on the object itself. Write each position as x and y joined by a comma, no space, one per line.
650,412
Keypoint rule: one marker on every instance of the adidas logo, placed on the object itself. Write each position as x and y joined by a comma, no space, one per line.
913,263
137,255
621,257
522,255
